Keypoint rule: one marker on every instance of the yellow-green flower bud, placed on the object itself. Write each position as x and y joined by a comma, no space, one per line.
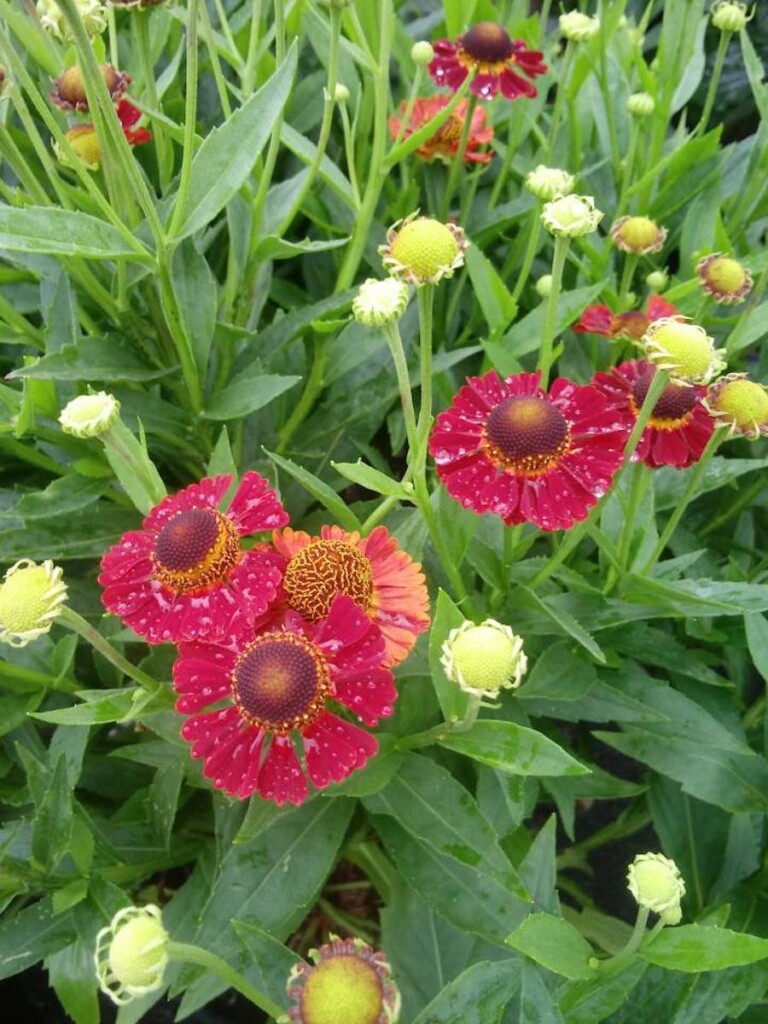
421,250
725,279
132,954
641,104
685,351
380,302
89,415
638,235
548,182
657,280
656,883
740,404
730,16
341,93
571,216
484,658
579,27
31,597
93,15
422,53
544,285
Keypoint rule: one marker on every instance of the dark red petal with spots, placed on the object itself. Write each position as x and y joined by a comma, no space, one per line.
334,748
281,778
255,506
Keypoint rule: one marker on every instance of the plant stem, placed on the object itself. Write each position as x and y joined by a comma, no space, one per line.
550,315
190,118
458,161
638,932
394,340
186,953
531,248
562,84
70,618
312,388
630,265
140,26
714,82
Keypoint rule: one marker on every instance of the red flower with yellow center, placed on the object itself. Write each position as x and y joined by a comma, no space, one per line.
444,144
680,426
184,576
630,326
383,580
279,683
488,50
507,447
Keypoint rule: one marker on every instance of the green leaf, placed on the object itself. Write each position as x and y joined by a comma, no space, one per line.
477,996
224,161
68,494
274,248
755,74
693,948
447,616
373,480
459,15
524,337
559,674
697,597
554,944
71,976
92,359
247,396
164,798
100,706
338,508
694,70
53,819
567,623
496,302
589,1002
31,934
48,229
270,962
196,294
756,627
513,748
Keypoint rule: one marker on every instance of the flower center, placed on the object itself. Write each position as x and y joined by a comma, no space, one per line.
672,408
638,233
487,43
687,348
527,435
425,247
742,402
726,275
323,569
343,989
196,549
280,682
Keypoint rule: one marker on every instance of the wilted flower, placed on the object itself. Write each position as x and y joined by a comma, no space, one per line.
93,15
444,143
684,350
638,235
69,89
740,404
31,597
132,954
631,325
488,50
641,104
89,415
656,883
484,658
350,983
421,250
548,182
725,279
579,27
571,216
730,15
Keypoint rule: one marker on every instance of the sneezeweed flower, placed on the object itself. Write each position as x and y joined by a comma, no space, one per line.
132,954
381,578
484,658
380,302
571,216
740,404
641,104
684,350
579,27
725,279
656,883
349,983
680,426
630,326
31,597
184,575
421,250
93,15
85,143
89,415
69,89
547,182
509,448
444,144
730,15
495,58
638,235
278,683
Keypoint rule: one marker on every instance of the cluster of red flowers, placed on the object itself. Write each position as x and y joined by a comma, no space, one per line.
508,447
269,637
69,94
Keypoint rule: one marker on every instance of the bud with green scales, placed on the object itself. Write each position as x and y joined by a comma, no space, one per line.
132,954
31,597
484,659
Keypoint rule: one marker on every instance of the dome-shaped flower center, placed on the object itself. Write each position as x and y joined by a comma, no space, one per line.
425,247
280,682
725,275
672,408
30,598
486,656
638,234
343,989
526,434
323,569
196,549
742,402
138,952
685,350
657,883
487,43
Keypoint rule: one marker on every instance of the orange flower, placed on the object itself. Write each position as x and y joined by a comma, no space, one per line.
372,570
444,144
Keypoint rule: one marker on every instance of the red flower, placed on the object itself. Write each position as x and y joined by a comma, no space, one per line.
383,580
279,683
631,325
507,447
184,576
444,144
488,50
680,426
128,115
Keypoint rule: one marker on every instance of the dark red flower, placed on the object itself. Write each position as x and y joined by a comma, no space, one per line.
128,116
680,426
185,576
631,325
278,684
507,447
488,50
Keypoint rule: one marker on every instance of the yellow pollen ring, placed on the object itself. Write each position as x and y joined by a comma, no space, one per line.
214,567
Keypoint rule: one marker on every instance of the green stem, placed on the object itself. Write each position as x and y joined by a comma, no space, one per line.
550,315
638,487
629,163
140,26
638,932
630,265
248,77
694,479
405,117
394,340
186,953
70,618
562,84
190,117
714,82
458,161
312,388
531,248
426,297
349,150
